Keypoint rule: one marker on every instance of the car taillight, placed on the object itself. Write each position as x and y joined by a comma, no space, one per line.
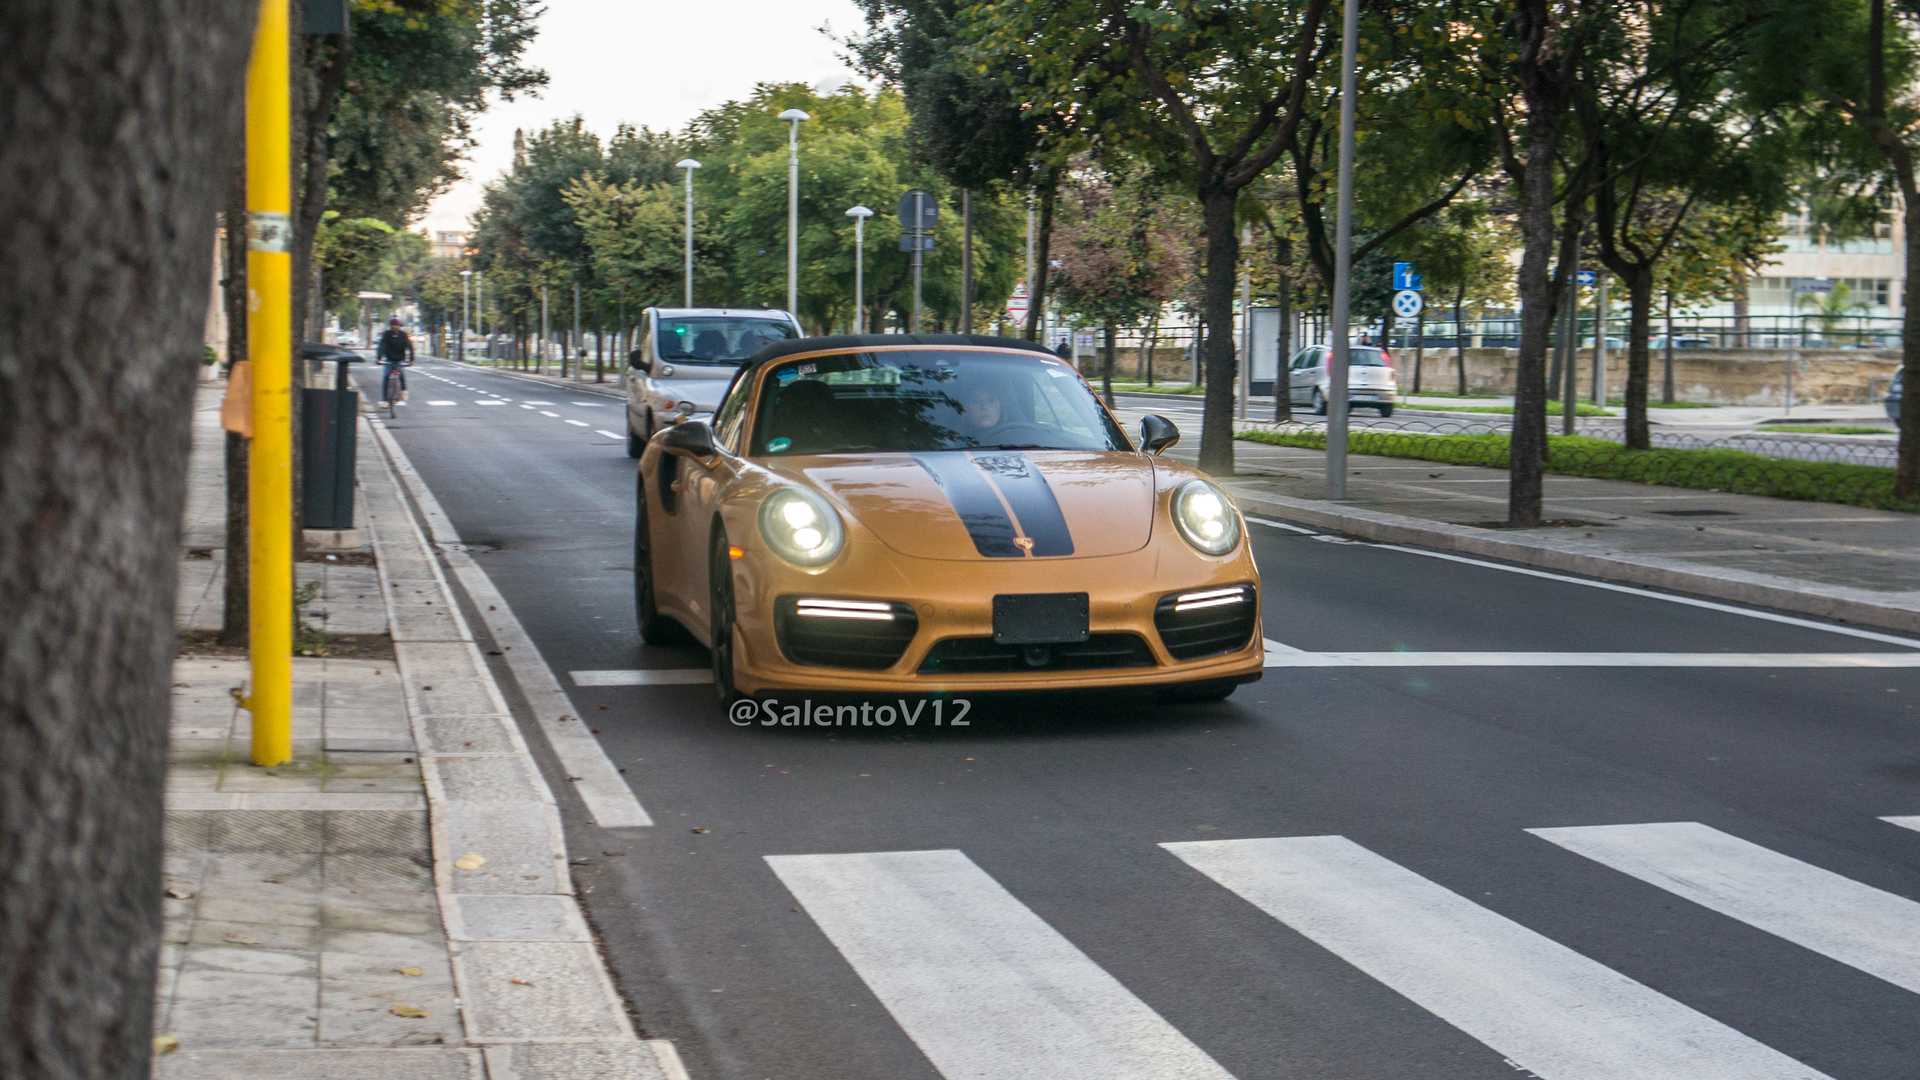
1386,358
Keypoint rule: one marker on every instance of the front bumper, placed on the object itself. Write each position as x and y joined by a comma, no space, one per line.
954,600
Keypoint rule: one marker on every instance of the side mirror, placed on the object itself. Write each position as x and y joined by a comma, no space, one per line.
691,437
1157,433
635,359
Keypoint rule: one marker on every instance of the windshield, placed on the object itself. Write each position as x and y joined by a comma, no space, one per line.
719,339
1360,356
915,401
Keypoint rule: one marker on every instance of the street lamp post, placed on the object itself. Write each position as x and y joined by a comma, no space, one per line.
793,118
466,279
859,214
689,165
1343,265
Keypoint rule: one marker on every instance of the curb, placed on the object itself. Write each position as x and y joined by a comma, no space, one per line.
1738,586
583,388
534,992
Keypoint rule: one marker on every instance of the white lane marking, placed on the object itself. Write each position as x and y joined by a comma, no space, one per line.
982,985
587,404
608,434
579,423
1546,1008
608,797
489,403
668,1059
530,401
1816,909
644,677
442,402
1709,605
550,415
1281,525
524,405
1904,822
1595,659
1273,647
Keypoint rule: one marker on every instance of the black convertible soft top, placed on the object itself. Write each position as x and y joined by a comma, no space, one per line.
850,342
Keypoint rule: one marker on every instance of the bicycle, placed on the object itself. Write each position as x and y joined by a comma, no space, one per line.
392,393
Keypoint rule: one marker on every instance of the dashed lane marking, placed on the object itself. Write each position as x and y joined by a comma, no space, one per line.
644,677
550,415
578,423
608,434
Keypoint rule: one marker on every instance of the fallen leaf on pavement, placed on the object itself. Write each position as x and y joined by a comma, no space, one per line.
518,981
408,1012
472,860
700,828
411,972
179,892
165,1044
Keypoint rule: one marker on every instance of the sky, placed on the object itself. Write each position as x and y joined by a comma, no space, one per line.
652,63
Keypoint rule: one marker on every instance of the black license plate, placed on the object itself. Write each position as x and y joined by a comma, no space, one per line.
1040,619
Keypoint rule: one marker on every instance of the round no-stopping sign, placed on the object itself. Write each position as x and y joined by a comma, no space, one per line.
1407,303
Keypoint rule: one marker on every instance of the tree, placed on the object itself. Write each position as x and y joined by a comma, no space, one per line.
120,136
1831,309
1117,262
1215,92
1669,134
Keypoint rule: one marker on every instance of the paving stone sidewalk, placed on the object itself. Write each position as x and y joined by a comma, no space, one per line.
395,903
1819,559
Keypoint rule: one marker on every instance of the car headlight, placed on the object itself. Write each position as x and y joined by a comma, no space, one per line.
801,526
1205,517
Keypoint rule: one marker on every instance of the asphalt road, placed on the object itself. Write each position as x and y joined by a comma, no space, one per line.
1330,875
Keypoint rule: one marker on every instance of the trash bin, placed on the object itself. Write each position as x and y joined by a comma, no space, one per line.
329,434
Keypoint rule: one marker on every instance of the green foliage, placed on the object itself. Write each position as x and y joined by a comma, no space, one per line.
418,72
1119,252
350,253
1578,455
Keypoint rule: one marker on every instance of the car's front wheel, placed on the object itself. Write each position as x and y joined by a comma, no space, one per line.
720,579
635,444
1386,411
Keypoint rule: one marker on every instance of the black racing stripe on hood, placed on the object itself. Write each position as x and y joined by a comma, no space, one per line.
1028,493
973,500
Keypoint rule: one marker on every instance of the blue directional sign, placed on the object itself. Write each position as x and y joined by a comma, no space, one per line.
1404,278
1586,277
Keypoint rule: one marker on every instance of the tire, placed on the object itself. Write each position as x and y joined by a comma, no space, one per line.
655,628
720,591
1319,403
1200,692
1386,411
635,444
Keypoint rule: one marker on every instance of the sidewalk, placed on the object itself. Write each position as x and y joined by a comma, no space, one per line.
1819,559
395,903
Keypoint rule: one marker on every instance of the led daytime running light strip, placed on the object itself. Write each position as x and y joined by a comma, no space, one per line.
844,609
1211,598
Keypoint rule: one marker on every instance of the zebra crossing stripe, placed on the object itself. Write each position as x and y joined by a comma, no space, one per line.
1904,822
1544,1007
1817,909
982,985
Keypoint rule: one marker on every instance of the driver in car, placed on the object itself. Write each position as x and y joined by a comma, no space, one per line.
980,408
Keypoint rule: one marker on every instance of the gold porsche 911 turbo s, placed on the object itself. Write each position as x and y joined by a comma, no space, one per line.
938,514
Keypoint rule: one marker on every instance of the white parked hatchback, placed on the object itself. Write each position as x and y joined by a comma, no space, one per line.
1370,378
686,357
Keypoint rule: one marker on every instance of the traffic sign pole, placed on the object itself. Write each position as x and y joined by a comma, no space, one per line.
918,210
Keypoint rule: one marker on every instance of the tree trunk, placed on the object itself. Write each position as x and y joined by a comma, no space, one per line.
1529,440
1666,376
1460,339
1906,482
1283,348
1106,364
1223,258
1152,345
1639,360
1043,245
233,607
119,117
1419,346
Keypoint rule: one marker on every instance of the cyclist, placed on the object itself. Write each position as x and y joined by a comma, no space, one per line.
394,352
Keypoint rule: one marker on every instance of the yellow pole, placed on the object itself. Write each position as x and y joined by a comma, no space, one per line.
270,347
